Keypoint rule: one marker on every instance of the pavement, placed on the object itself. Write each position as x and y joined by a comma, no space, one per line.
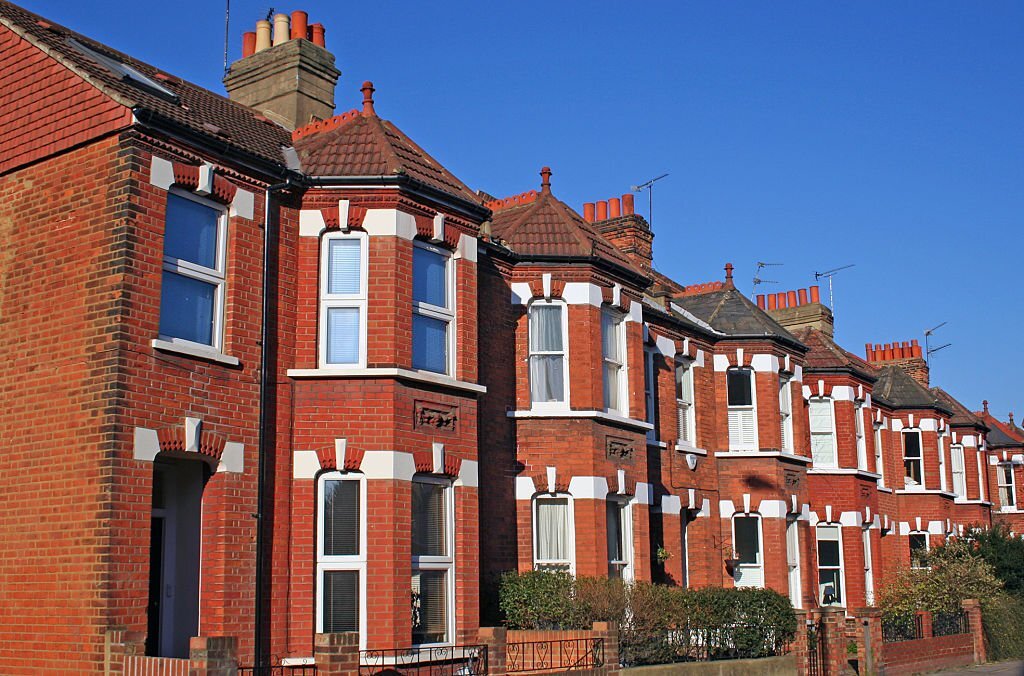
999,669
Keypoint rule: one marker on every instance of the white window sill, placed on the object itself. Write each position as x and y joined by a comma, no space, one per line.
654,443
1009,510
763,454
600,415
190,350
925,491
684,447
841,471
971,501
402,374
885,489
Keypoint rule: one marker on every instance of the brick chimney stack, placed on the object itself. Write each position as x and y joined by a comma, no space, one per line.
799,308
906,355
628,231
288,75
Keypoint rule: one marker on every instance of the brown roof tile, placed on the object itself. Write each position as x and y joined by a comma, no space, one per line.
825,353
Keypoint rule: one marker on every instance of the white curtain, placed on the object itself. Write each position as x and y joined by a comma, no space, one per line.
553,529
547,370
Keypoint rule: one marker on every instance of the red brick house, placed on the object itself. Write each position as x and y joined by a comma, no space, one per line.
303,380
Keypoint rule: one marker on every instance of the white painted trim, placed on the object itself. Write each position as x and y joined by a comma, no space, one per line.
233,458
588,487
600,415
671,505
305,464
843,393
525,488
763,454
396,465
469,474
721,362
387,372
389,223
243,205
644,493
843,471
764,363
311,223
146,444
194,350
467,249
161,173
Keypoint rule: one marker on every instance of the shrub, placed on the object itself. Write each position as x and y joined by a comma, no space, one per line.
539,600
1005,553
1003,620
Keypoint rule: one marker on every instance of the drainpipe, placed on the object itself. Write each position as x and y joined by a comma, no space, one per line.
263,443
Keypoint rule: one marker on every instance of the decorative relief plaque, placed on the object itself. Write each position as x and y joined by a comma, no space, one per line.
794,480
619,449
435,416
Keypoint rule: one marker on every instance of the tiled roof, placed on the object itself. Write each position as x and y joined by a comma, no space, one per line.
198,110
961,414
539,224
901,391
732,313
362,144
826,354
1000,434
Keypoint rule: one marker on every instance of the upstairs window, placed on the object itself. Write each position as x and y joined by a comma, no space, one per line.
823,432
918,550
433,567
1004,479
549,366
192,286
651,393
340,556
830,566
746,538
613,353
786,414
343,299
912,461
686,423
742,414
858,430
433,307
956,454
553,533
879,457
620,540
942,462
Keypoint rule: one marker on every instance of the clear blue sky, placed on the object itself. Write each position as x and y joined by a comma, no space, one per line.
885,134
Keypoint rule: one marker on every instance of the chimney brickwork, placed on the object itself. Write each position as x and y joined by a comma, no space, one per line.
906,355
799,309
624,228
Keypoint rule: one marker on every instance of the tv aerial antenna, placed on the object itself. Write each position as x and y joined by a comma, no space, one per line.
757,273
830,274
928,349
649,187
227,21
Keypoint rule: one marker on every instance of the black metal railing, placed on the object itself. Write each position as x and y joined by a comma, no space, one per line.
460,660
948,624
279,670
697,644
817,647
566,655
897,629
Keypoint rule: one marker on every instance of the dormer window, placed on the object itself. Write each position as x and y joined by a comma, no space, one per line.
913,463
742,409
549,367
433,302
823,432
613,353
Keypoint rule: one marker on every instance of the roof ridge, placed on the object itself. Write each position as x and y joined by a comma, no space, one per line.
512,201
702,287
329,124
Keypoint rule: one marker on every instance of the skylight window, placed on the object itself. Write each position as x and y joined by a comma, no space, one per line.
127,73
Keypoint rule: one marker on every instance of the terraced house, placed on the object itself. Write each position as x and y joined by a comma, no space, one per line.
274,372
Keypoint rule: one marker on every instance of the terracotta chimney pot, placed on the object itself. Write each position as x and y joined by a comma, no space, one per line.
868,352
802,293
318,35
300,28
760,300
602,210
627,205
262,35
614,208
588,212
815,295
773,301
781,299
791,298
248,43
916,350
280,29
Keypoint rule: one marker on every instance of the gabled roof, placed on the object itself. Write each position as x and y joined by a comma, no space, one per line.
539,224
732,313
961,414
361,144
1000,434
197,110
899,390
826,355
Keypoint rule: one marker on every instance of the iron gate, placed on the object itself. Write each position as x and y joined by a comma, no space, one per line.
817,648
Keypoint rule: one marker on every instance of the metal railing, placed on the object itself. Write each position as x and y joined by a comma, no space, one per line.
900,629
566,655
696,644
460,660
948,624
279,670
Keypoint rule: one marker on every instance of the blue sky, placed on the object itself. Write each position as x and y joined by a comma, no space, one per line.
884,134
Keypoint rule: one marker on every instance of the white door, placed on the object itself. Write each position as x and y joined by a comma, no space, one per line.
793,559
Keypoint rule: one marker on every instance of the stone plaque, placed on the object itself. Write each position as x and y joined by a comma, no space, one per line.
435,416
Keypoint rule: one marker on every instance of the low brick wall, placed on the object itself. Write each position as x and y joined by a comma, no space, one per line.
927,654
765,666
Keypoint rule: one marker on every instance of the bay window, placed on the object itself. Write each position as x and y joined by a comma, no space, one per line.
746,537
620,540
549,365
194,262
912,460
433,302
742,410
433,565
830,565
956,456
343,299
613,353
340,553
1007,490
786,414
823,432
553,542
686,423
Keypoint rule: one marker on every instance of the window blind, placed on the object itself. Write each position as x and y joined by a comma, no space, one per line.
429,344
429,283
343,267
429,606
191,231
428,519
340,601
343,335
341,518
742,429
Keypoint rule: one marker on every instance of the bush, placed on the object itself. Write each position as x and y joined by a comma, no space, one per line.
539,600
1005,553
1003,620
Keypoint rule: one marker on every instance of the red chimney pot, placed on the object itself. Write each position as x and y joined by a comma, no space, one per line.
781,295
248,43
614,208
588,212
791,298
602,210
545,179
815,295
318,32
367,90
802,293
627,205
773,301
299,24
760,300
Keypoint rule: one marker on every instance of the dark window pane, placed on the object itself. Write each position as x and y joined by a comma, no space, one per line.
747,544
186,308
429,283
828,553
615,548
912,444
831,586
428,519
341,518
191,231
341,601
429,606
429,344
739,387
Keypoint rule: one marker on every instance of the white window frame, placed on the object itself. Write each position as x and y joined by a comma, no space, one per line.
751,411
651,393
355,563
927,547
445,314
831,433
329,301
1003,485
686,417
838,530
550,405
879,454
625,564
786,414
563,565
215,276
919,460
956,455
443,563
858,430
793,562
941,443
684,526
760,549
622,396
869,568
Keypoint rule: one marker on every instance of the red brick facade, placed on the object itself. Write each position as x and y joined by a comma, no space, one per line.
104,415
